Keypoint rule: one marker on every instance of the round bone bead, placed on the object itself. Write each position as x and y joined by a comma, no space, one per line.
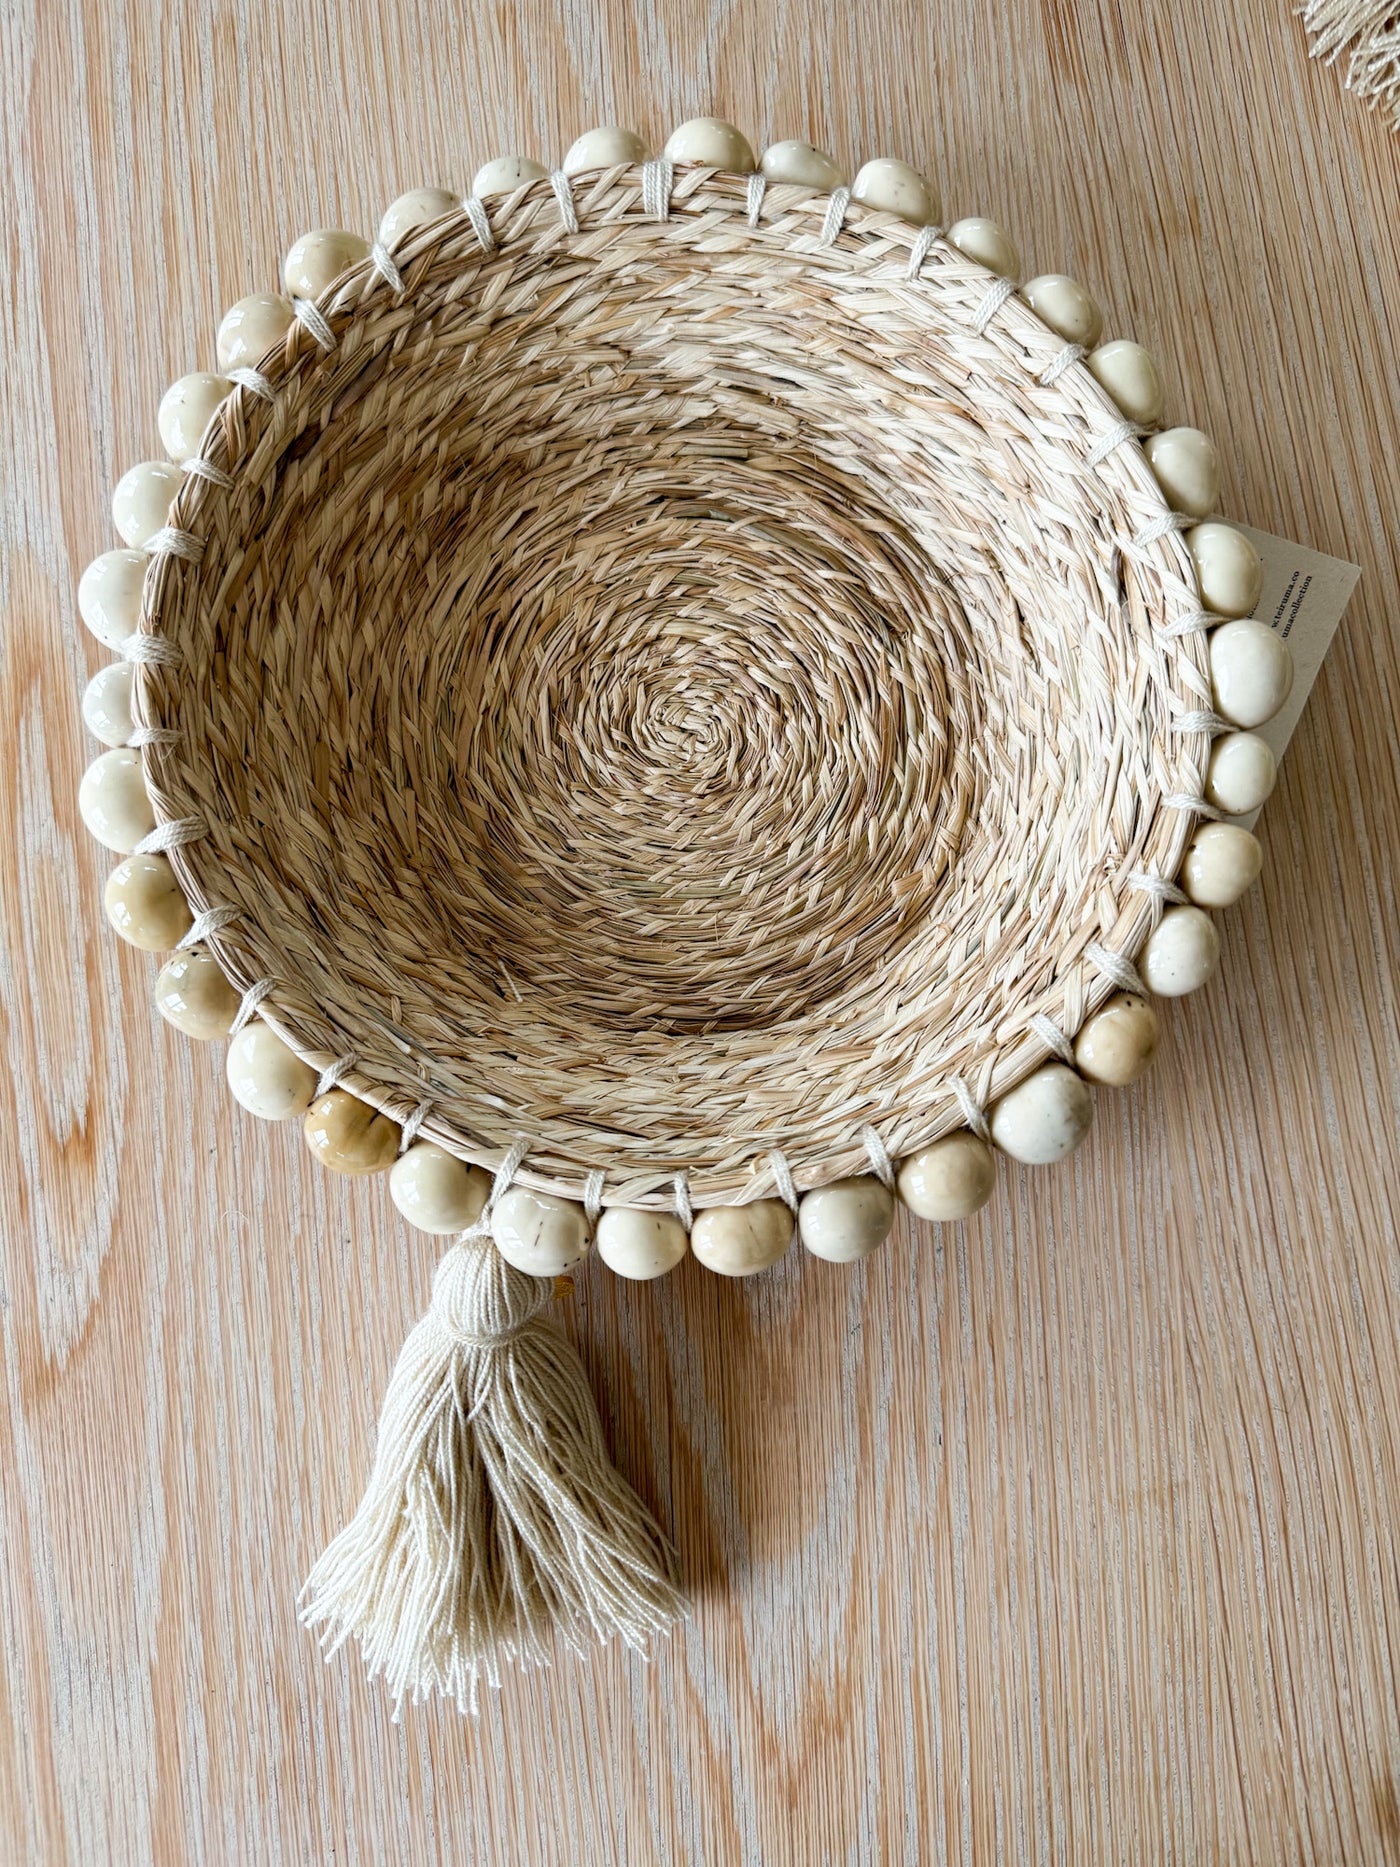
607,147
504,174
316,260
710,143
1066,306
109,596
1221,861
251,328
267,1076
349,1136
186,410
1228,568
894,187
949,1180
538,1233
414,209
801,163
1180,954
107,704
736,1241
1251,672
145,905
114,802
142,497
1044,1118
988,244
1129,374
846,1220
192,994
640,1245
1184,464
1241,773
437,1192
1118,1043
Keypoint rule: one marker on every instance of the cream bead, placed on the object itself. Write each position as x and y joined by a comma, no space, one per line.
145,905
893,187
142,498
1129,374
1184,464
538,1233
710,143
1065,305
1180,954
251,328
1221,861
1251,672
192,994
267,1076
949,1180
1242,771
802,164
414,209
846,1220
348,1136
186,410
114,802
107,704
736,1241
1044,1118
1228,568
109,596
640,1245
987,244
316,260
437,1192
1118,1043
504,174
608,147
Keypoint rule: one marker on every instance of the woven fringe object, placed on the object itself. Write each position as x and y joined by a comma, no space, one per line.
1370,30
494,1516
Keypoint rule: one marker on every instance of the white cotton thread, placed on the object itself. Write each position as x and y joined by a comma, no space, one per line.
658,176
1121,972
254,382
387,270
1052,1037
153,736
1199,722
201,469
178,833
335,1073
972,1111
564,195
475,212
757,188
171,542
1194,622
1157,886
210,921
1117,436
1059,363
835,217
593,1197
879,1155
311,318
990,304
1183,800
256,995
412,1125
782,1178
152,651
680,1188
1156,529
922,247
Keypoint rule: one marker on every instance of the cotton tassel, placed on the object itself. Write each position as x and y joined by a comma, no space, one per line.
494,1516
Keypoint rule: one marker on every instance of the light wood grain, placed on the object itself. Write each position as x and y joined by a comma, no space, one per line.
1071,1535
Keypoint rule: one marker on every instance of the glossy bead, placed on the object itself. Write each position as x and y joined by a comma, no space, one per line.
145,905
1251,672
640,1245
1221,861
608,147
251,328
989,245
1181,953
414,209
186,410
1184,465
951,1179
107,704
1241,773
114,802
1044,1118
348,1136
142,497
1118,1043
316,260
109,595
710,143
1228,568
894,187
192,994
437,1192
1064,304
267,1076
800,163
736,1241
539,1233
504,174
1129,374
846,1220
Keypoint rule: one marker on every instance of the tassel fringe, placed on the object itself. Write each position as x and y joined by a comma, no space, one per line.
1370,31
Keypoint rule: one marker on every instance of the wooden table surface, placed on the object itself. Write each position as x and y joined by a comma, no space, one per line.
1073,1534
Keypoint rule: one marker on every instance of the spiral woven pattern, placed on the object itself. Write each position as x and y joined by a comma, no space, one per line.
670,689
